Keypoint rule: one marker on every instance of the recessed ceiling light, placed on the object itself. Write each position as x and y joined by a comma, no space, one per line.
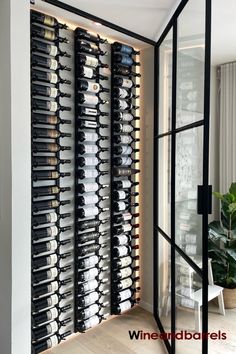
97,23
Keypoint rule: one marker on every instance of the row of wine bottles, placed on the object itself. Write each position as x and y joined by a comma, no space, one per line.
51,249
124,225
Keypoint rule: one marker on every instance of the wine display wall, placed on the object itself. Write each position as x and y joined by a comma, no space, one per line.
52,181
124,183
92,179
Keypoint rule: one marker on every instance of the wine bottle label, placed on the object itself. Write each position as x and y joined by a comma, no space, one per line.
127,227
127,128
121,205
91,111
126,184
126,161
88,72
52,217
88,124
122,93
53,106
93,297
52,327
126,294
127,216
125,139
123,239
121,194
91,199
52,273
91,211
53,78
90,136
53,92
93,87
127,83
125,272
55,190
91,61
123,250
55,203
91,161
126,283
52,342
126,49
127,117
50,35
126,150
53,64
90,274
49,21
54,174
92,321
52,314
52,259
90,149
90,187
91,310
53,300
126,261
53,50
91,261
125,306
90,99
90,285
53,231
90,173
53,286
126,60
123,104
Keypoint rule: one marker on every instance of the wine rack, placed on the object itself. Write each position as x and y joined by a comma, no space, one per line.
52,190
92,185
124,183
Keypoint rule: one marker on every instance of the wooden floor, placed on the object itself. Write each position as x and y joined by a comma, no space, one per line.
112,337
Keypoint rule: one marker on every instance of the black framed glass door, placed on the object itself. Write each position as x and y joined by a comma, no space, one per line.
182,194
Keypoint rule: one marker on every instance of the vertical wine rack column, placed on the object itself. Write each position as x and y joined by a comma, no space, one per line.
92,181
124,180
52,187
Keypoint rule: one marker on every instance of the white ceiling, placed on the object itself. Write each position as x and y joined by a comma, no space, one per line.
223,31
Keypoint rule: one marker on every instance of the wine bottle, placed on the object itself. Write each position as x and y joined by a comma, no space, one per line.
124,49
124,117
121,251
89,323
124,217
123,94
124,150
46,20
50,342
48,175
124,139
92,248
48,77
85,47
50,35
91,199
124,295
47,288
48,329
87,111
124,184
49,49
124,161
47,91
123,306
46,119
93,87
90,73
93,173
48,315
48,246
120,206
91,187
90,236
123,284
125,60
122,195
124,171
90,285
88,211
90,149
83,59
125,83
51,106
48,274
123,105
81,33
88,312
90,274
48,63
48,191
124,71
90,124
48,133
91,161
48,204
48,261
38,161
90,261
44,232
124,128
48,147
49,301
89,299
120,240
124,273
48,218
90,99
89,224
124,228
123,262
92,137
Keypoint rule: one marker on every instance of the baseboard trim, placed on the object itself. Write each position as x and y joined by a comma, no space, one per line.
146,306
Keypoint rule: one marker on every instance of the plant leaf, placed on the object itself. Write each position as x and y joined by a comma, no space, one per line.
218,195
232,188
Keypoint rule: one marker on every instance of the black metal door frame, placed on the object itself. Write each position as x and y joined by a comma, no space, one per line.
204,191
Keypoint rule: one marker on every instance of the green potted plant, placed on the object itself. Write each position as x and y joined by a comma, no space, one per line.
222,246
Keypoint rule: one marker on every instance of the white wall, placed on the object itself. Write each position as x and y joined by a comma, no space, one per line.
15,177
146,177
